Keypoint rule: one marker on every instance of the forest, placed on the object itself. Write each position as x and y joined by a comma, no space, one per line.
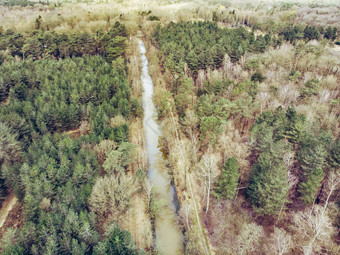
290,162
246,96
62,83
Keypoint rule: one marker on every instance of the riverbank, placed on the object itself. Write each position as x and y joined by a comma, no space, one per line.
180,161
168,237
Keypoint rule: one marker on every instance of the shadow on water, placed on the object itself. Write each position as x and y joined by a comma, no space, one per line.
168,235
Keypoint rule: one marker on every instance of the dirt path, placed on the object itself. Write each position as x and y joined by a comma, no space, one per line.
7,206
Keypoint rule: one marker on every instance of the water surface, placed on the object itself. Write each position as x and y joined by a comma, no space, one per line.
169,239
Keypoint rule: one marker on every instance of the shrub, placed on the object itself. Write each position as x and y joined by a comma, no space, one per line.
311,87
258,77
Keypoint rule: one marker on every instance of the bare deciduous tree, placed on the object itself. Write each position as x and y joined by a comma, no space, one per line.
184,214
148,189
248,238
208,173
314,222
279,243
112,194
103,149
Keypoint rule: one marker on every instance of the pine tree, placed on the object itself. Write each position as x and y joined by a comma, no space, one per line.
268,187
312,160
227,184
192,61
117,242
295,125
312,157
311,33
330,33
333,159
309,188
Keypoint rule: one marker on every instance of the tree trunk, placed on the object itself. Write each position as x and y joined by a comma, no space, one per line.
208,195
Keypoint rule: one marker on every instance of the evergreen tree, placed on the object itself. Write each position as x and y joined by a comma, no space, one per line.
192,60
331,33
311,33
311,87
310,186
312,160
268,187
333,159
117,242
227,184
312,156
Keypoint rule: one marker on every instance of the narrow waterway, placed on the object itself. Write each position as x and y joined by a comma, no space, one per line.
169,239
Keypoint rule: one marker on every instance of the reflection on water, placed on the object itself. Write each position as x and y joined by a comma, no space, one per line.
169,239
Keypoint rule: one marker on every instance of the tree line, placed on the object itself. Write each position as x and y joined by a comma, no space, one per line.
49,44
200,45
203,44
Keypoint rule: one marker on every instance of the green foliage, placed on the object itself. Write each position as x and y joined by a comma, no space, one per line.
217,87
271,132
38,23
166,104
55,174
211,127
246,86
292,34
333,159
9,146
268,187
115,48
312,158
46,97
9,153
295,75
331,33
226,186
46,44
68,172
204,44
311,87
258,77
314,146
117,242
156,203
287,124
308,33
120,158
213,114
184,96
252,64
208,105
311,33
153,18
310,186
14,250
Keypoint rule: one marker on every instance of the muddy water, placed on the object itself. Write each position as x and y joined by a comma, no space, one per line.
169,239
